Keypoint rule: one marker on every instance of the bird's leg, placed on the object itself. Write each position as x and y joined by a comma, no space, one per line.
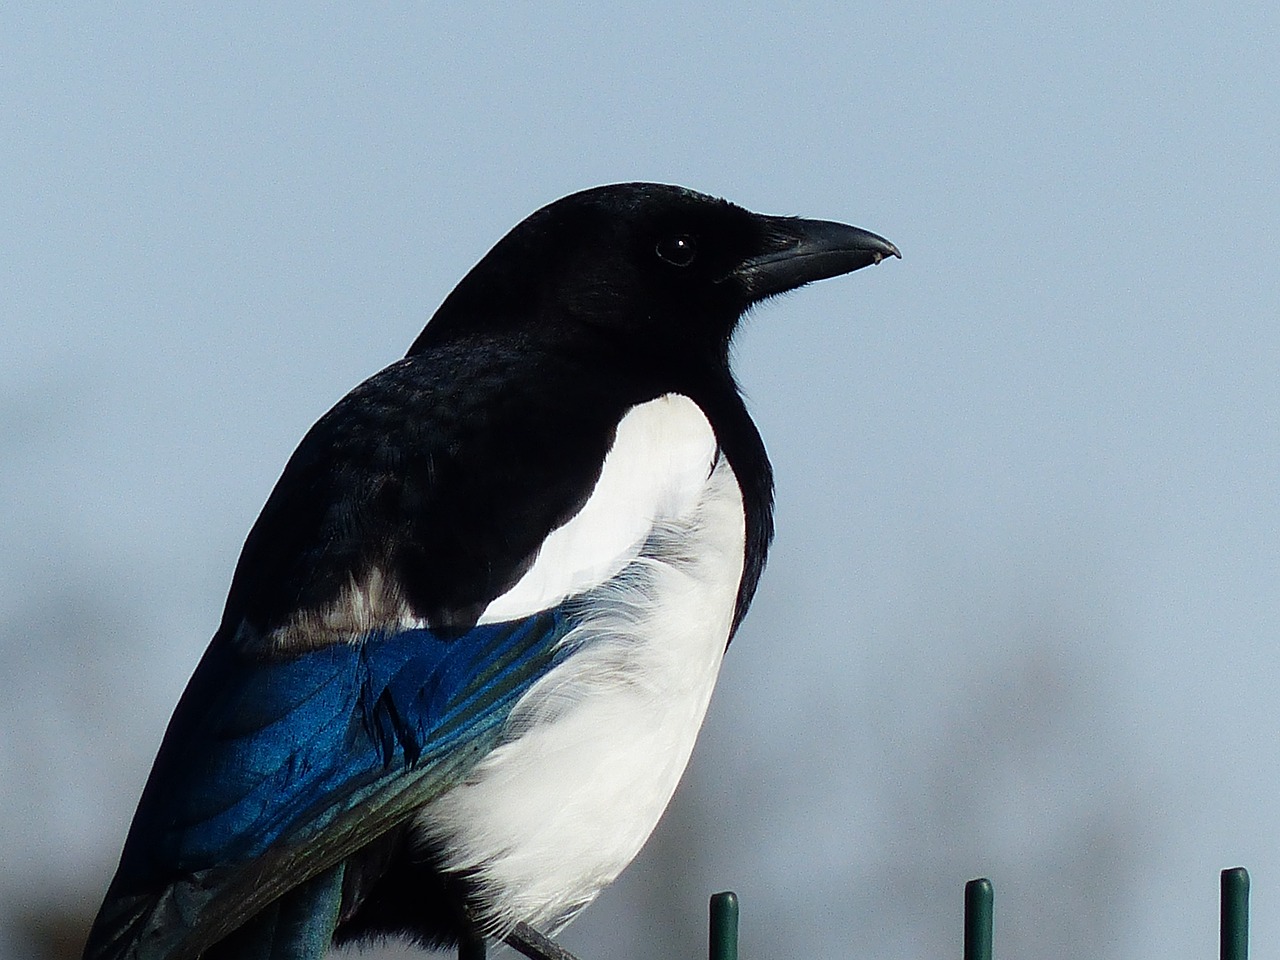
471,941
524,939
471,947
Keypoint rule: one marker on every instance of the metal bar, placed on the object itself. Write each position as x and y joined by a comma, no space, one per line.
723,943
979,905
1234,928
528,941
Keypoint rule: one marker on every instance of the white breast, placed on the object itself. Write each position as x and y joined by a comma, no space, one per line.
656,470
597,747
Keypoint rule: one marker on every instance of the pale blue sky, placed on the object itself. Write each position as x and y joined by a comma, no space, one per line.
1027,575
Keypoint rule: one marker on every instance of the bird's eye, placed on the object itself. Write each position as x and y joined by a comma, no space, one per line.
678,250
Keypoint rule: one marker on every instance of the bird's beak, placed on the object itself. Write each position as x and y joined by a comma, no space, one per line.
801,251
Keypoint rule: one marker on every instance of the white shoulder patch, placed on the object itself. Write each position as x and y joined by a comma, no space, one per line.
659,464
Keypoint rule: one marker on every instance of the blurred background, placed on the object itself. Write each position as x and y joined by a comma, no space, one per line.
1021,616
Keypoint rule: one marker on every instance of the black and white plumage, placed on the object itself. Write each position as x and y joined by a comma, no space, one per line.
472,637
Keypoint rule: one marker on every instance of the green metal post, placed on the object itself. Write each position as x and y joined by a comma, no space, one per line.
724,926
979,905
1234,928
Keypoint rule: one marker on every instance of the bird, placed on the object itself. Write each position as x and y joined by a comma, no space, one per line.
471,638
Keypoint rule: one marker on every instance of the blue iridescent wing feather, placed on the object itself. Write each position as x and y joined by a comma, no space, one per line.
275,769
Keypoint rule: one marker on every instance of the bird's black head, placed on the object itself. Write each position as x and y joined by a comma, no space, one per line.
645,267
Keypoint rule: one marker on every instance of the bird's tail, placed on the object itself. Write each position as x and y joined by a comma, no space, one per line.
297,926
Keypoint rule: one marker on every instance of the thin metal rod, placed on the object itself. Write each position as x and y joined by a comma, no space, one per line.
1234,929
524,939
723,941
979,905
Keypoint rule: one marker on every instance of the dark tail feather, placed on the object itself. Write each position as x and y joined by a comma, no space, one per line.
298,926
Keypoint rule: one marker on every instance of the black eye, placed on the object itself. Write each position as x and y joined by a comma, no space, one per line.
679,250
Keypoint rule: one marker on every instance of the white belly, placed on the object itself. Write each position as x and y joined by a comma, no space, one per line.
596,748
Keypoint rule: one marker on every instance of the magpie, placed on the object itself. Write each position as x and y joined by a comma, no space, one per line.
471,638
